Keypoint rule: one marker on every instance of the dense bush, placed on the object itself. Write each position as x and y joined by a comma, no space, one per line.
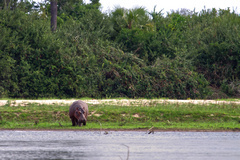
214,40
128,53
31,51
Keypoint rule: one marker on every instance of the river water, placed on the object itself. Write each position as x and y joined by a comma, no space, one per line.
119,145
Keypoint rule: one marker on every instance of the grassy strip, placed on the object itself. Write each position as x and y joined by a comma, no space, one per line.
159,116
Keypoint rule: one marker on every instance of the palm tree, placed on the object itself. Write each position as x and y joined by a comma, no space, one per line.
129,18
53,15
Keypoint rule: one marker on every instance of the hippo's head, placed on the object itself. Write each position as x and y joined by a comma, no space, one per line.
79,115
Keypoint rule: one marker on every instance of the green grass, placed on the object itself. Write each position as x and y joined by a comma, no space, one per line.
160,116
228,99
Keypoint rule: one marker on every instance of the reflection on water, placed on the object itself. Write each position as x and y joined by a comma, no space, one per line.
96,145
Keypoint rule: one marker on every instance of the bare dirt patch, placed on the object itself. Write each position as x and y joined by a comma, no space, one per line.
136,115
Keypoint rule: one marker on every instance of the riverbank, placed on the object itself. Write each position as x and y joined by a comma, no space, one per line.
140,115
107,131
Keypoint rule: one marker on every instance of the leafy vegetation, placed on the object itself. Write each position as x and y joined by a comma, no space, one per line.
126,53
159,116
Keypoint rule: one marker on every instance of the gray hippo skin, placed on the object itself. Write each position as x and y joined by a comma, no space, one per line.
78,113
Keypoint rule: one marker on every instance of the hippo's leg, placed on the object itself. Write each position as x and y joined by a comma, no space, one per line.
73,121
84,123
80,124
76,121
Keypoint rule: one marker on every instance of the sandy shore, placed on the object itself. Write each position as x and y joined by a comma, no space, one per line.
121,102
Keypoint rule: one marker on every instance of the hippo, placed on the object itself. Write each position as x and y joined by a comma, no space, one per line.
78,113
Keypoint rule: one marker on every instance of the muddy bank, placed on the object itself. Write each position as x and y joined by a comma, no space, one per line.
106,131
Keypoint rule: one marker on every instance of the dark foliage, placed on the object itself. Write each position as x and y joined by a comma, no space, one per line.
123,54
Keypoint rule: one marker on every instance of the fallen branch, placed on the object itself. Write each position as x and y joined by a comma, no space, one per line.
60,124
150,130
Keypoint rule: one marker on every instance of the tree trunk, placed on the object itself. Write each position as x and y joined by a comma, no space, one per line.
53,15
6,4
